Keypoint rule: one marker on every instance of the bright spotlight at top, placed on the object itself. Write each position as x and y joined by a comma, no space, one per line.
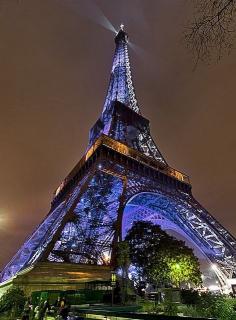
122,27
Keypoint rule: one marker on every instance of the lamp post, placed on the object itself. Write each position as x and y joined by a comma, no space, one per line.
113,284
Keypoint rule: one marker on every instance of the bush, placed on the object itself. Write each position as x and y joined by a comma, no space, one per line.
224,309
189,297
170,309
219,306
12,301
190,311
147,306
196,305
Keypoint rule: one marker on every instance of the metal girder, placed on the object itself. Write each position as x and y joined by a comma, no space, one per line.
121,90
35,245
183,213
82,228
88,236
121,86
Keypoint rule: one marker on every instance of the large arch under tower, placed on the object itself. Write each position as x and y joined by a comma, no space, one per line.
182,216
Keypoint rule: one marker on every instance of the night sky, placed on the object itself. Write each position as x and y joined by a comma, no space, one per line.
55,60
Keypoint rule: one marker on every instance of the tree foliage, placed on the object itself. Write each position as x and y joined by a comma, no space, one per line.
197,305
214,305
12,300
212,30
123,257
161,259
180,266
123,263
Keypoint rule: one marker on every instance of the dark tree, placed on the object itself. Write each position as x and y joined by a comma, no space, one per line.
160,258
144,239
12,301
212,31
123,263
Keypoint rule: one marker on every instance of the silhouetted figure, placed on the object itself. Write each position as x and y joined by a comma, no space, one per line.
57,303
64,312
46,308
26,311
37,313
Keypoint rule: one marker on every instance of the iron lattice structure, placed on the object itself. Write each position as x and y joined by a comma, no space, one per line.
122,178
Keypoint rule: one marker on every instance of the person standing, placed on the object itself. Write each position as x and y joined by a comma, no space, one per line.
26,311
37,313
64,312
46,308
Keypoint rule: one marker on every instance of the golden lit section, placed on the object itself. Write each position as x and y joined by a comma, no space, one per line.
59,188
79,273
89,153
178,175
134,154
106,258
119,147
93,148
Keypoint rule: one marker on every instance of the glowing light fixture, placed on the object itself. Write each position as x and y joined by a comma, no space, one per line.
214,267
106,257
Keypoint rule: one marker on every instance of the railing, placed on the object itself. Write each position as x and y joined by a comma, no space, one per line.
123,149
127,151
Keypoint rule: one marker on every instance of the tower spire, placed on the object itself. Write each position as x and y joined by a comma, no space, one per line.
120,86
121,118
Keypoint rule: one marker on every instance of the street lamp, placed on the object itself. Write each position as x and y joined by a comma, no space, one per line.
113,284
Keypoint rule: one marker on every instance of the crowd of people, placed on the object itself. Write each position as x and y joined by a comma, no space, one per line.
44,310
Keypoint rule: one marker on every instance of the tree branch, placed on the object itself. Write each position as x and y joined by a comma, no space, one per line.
213,30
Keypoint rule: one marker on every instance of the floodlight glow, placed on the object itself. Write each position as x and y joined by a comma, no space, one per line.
214,288
214,267
106,257
3,219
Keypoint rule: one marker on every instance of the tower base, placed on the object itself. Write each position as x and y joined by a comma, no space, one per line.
47,276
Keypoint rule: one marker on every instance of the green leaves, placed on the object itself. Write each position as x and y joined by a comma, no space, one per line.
123,255
219,306
162,259
14,298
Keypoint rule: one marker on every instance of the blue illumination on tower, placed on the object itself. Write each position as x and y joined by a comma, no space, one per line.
122,178
121,87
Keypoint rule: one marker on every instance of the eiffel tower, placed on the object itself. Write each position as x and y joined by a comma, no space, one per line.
122,177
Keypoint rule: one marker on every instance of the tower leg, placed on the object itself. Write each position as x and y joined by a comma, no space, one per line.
118,226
